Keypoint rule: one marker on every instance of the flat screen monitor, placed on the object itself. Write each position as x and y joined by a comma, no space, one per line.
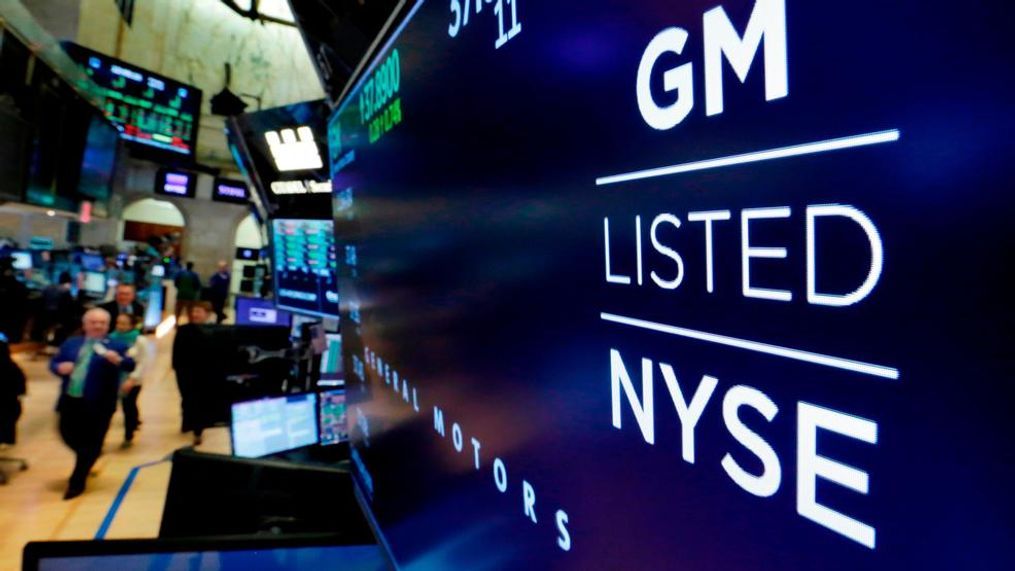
228,190
304,266
248,255
21,260
92,262
94,283
178,183
693,303
286,149
268,426
257,311
333,427
330,373
147,109
98,161
249,272
298,322
206,554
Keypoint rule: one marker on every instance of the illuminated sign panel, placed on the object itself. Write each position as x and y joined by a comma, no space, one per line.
146,108
294,149
226,190
697,286
176,183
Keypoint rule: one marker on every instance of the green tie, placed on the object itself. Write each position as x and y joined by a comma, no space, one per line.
76,387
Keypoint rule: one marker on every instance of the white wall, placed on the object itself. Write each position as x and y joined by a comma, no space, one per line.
248,234
191,40
154,211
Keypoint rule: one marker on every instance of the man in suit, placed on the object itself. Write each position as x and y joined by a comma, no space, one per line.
124,301
218,291
89,367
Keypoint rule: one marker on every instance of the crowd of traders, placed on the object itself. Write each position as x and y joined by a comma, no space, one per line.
101,356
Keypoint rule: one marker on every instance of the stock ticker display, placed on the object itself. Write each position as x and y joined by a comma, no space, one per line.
147,108
681,285
305,266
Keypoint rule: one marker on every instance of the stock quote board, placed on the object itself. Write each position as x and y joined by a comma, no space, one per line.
148,109
681,285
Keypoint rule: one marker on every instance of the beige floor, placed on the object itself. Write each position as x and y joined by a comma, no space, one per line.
31,505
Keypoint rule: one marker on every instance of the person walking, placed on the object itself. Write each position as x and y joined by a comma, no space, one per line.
193,365
218,286
128,333
188,290
13,301
12,388
89,367
124,301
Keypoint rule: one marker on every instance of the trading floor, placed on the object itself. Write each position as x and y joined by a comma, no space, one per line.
31,504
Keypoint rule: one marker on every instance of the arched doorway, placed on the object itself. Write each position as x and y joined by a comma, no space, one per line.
156,223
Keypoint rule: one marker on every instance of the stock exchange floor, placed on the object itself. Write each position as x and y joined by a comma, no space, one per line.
31,504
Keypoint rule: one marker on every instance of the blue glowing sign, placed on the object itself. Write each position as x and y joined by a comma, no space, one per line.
682,285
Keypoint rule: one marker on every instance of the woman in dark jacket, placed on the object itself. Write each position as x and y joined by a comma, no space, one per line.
12,388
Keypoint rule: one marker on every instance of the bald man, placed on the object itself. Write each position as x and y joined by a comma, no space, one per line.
90,368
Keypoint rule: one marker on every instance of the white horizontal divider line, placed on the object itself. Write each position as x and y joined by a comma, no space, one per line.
776,350
875,138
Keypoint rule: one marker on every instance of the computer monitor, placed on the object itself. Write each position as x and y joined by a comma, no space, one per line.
298,322
248,254
332,427
21,260
92,262
249,272
331,362
267,426
94,283
305,265
257,311
206,554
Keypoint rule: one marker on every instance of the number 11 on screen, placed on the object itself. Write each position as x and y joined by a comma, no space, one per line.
461,9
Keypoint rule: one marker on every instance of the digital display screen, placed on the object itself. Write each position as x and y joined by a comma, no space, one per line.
304,266
94,283
248,255
682,285
256,311
333,428
268,426
147,108
176,183
226,190
354,557
21,260
285,150
92,262
331,362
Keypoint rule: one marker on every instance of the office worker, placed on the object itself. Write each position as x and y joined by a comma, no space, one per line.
218,290
89,367
128,332
194,366
12,388
124,301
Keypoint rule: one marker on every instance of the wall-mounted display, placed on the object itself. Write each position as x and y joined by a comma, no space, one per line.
147,108
171,182
682,285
